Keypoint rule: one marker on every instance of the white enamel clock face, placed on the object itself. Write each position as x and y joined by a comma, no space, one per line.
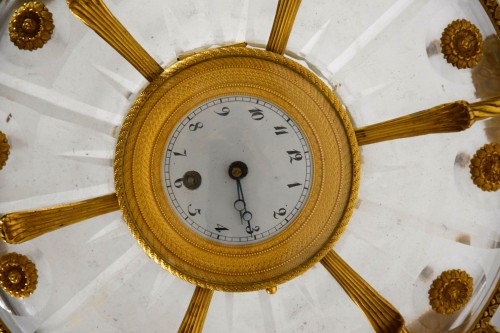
237,170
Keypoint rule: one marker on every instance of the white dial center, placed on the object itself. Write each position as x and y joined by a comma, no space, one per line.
243,208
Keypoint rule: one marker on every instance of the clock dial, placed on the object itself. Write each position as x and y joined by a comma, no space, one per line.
224,169
206,155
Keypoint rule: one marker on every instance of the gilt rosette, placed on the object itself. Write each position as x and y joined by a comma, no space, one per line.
18,275
450,291
4,149
462,44
31,26
485,167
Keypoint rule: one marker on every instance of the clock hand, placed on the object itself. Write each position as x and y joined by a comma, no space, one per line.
245,215
241,206
238,170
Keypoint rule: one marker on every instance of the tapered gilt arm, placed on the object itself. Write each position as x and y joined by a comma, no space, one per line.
282,25
97,16
486,109
22,226
382,315
451,117
197,311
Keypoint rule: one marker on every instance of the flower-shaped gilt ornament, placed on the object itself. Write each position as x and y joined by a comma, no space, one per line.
462,44
485,167
31,26
18,275
450,291
4,149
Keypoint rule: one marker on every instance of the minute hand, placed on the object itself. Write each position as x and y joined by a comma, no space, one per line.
245,215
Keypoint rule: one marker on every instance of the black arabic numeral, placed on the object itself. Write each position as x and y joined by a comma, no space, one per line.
256,114
251,230
194,127
220,228
180,154
196,211
278,130
294,155
178,183
280,212
224,112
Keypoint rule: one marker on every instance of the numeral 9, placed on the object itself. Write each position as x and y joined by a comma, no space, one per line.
280,212
224,112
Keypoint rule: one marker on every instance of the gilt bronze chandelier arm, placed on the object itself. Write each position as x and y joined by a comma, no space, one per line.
282,25
97,16
450,117
486,109
22,226
197,311
382,315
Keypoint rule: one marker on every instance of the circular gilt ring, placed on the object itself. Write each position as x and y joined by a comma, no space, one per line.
485,167
450,291
31,26
4,149
462,44
18,275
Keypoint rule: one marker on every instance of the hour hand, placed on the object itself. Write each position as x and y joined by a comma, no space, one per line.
237,171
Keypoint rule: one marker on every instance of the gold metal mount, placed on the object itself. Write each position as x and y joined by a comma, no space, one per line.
272,290
462,44
187,55
492,7
4,149
180,89
25,225
197,311
18,275
21,226
382,315
31,26
451,117
97,16
282,25
450,291
485,167
482,323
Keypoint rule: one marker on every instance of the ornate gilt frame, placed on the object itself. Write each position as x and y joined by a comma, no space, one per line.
181,88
